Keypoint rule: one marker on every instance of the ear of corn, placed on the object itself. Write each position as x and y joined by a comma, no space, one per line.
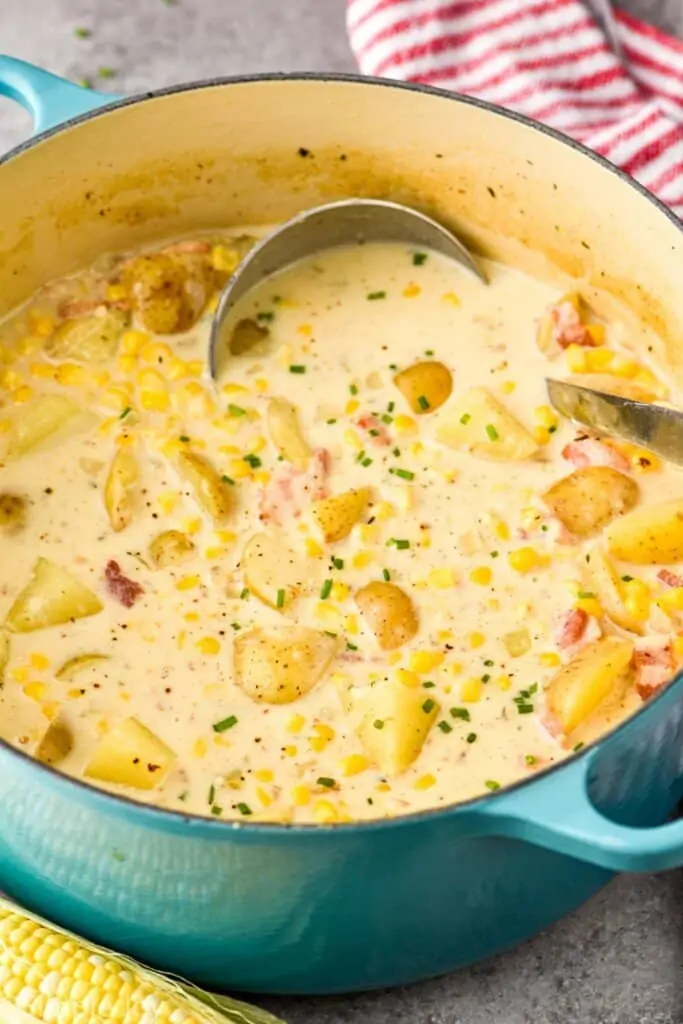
49,976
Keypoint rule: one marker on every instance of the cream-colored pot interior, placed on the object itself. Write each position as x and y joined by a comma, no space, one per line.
258,151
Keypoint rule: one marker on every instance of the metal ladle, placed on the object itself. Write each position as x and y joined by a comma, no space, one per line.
349,222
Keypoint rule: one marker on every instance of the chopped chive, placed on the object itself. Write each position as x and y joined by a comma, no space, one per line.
106,72
126,412
422,402
227,480
252,459
488,663
244,809
330,422
428,684
360,456
494,554
297,368
492,433
376,295
236,626
212,793
405,474
326,782
236,410
378,723
353,389
326,590
373,432
350,646
626,579
386,418
525,709
265,316
245,593
82,33
338,563
486,677
429,351
225,724
184,438
533,689
400,545
492,784
386,574
216,811
530,759
428,705
578,747
184,795
552,430
366,462
461,713
280,600
465,419
393,366
85,82
419,258
471,737
445,726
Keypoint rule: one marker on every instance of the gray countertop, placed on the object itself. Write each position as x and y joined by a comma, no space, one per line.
615,961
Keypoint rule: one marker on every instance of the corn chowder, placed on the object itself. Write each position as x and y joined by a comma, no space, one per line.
368,573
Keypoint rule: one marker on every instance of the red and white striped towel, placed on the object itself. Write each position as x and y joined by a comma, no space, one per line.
548,59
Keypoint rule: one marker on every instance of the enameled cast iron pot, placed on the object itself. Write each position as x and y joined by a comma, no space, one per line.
313,909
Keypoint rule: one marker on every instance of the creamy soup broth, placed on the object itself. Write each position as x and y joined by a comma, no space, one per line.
435,610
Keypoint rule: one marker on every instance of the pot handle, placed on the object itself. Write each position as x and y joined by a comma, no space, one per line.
556,812
48,98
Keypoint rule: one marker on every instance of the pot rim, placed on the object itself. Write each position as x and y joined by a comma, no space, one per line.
152,814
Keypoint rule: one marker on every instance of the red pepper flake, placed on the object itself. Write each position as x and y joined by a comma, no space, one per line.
119,586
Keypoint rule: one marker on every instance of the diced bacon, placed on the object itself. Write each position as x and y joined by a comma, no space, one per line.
86,307
670,579
568,328
377,432
188,246
588,451
654,667
119,586
571,628
290,492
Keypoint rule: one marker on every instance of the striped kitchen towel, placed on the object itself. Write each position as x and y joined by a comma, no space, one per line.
615,84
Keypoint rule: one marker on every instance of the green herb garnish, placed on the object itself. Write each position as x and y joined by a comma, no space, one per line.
126,412
326,782
428,705
422,402
465,419
252,459
280,599
419,258
404,474
338,563
378,723
491,432
492,784
326,590
445,726
376,295
297,368
386,574
244,809
225,724
461,713
236,410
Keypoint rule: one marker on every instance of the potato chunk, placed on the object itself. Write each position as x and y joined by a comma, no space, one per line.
130,755
277,666
79,663
389,612
209,490
590,497
285,432
171,548
56,744
576,690
392,722
169,290
649,535
90,339
274,572
46,418
52,597
12,512
479,424
119,488
425,386
612,385
337,516
603,580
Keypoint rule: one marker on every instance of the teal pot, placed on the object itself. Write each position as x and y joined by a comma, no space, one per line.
321,909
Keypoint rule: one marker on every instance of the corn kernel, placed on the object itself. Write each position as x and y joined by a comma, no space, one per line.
301,796
575,357
132,341
290,750
188,582
42,370
383,510
507,387
482,575
200,748
208,645
502,530
368,533
411,290
154,401
393,657
339,592
470,690
325,612
678,647
354,764
352,406
599,359
238,469
451,297
326,732
503,682
72,375
424,782
591,606
353,440
168,501
313,548
425,661
545,416
192,525
36,691
10,379
408,677
191,616
296,723
637,599
550,659
524,559
156,352
224,259
476,640
541,435
441,579
362,558
263,775
416,448
20,674
305,329
115,398
126,364
671,600
41,324
404,424
39,661
622,366
324,812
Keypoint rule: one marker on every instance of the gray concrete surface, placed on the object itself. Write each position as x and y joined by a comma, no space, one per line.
619,960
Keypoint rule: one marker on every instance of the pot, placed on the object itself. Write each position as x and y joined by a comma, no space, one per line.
323,909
